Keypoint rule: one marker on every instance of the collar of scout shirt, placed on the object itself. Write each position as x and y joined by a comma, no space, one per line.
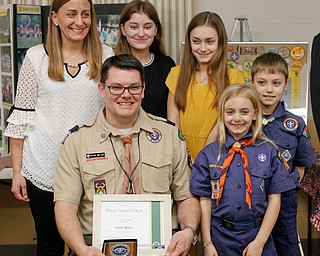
278,112
230,140
143,122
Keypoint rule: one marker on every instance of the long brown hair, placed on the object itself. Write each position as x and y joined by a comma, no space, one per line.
92,47
138,6
217,69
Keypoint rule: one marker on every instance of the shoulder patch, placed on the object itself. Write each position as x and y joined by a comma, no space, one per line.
290,124
306,132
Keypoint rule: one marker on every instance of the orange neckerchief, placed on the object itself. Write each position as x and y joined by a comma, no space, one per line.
236,148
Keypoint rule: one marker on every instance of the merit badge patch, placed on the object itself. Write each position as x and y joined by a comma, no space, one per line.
100,187
290,124
180,135
262,158
286,155
306,133
154,136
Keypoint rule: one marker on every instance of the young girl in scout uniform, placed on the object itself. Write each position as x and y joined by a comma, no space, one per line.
239,179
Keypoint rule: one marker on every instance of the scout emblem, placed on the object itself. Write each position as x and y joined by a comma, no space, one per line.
262,158
100,187
286,155
154,136
290,124
215,186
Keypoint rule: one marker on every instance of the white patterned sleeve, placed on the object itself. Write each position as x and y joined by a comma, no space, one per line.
23,114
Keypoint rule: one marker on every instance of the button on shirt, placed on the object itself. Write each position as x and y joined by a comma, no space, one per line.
268,176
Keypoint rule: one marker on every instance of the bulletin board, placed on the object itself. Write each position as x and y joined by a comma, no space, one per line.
242,54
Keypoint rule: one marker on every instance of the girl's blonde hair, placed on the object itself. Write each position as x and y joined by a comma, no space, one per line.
92,48
217,69
138,6
246,91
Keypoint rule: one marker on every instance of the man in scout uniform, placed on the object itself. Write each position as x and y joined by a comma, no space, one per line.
270,78
123,151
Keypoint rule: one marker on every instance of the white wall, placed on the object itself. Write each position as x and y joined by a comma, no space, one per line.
270,20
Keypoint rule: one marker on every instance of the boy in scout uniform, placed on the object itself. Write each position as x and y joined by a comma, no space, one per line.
123,151
270,78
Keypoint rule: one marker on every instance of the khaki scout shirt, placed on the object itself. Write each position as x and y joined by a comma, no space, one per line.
91,153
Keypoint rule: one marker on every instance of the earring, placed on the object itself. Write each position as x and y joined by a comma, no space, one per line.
56,24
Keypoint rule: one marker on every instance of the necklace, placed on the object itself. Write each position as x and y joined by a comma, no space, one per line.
200,83
72,65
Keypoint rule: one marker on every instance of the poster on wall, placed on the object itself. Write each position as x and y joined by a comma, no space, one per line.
242,54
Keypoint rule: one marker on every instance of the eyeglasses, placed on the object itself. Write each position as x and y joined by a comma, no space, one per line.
119,89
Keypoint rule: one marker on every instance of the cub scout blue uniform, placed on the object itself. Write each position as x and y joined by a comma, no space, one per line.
234,225
91,161
291,135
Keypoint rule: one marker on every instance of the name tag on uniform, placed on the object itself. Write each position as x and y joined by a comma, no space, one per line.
215,186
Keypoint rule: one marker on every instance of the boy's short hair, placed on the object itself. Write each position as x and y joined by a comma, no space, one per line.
271,63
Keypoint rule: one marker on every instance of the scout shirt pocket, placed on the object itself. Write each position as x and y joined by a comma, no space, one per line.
155,174
287,147
260,177
97,170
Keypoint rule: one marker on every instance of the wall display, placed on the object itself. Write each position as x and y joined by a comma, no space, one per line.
6,70
20,29
242,54
108,21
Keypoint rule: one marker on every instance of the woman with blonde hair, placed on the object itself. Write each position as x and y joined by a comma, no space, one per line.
57,91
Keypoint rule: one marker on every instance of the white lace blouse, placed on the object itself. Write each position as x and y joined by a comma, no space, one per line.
55,108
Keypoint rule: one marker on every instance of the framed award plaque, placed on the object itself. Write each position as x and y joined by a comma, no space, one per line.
123,222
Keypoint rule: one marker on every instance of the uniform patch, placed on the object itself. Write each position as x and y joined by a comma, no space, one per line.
262,158
286,155
180,135
154,136
100,187
290,124
306,133
95,156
